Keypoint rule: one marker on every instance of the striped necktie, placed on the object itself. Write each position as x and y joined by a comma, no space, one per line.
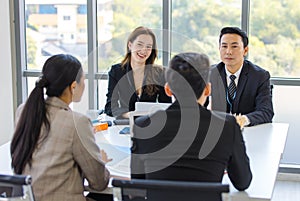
232,87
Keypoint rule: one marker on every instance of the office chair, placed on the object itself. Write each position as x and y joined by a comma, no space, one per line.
163,190
15,187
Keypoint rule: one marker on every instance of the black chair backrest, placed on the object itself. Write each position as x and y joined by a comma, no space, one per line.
162,190
15,186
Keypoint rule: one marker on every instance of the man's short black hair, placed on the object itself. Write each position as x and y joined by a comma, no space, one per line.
193,67
235,30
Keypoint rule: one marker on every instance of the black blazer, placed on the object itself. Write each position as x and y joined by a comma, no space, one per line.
253,96
170,145
121,95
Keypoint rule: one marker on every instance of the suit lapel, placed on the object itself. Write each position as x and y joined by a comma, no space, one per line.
241,85
129,74
218,80
221,69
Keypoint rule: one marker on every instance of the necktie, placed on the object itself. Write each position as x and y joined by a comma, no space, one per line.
232,87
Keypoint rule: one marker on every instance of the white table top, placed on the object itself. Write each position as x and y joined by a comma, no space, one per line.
264,144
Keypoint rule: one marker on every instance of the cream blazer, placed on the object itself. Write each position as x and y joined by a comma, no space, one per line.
66,157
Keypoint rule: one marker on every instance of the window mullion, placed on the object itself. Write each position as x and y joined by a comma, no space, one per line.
92,53
20,50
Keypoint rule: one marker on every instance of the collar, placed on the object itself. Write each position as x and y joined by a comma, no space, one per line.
57,102
237,73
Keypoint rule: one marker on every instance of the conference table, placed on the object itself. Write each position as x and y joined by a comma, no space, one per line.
264,145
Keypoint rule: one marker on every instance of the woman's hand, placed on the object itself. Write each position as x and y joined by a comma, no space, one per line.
104,156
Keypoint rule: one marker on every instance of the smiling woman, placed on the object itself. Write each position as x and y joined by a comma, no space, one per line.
136,78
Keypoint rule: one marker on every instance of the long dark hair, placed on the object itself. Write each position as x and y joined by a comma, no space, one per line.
58,72
150,89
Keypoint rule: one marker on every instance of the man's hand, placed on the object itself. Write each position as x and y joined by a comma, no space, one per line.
242,120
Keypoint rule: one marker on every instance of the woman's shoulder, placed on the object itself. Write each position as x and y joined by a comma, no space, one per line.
116,67
80,118
158,68
56,107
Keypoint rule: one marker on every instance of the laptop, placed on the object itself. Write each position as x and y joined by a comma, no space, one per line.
145,108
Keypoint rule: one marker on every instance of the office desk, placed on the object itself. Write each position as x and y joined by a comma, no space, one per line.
264,143
117,147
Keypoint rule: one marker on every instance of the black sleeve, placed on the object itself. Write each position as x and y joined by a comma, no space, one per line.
238,168
112,82
264,108
162,96
137,165
112,106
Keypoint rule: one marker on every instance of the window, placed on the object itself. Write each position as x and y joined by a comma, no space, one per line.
96,32
43,33
196,24
67,18
47,9
275,36
46,36
82,9
115,23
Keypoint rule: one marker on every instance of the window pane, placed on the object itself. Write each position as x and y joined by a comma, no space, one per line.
55,28
275,36
102,87
31,83
116,19
196,24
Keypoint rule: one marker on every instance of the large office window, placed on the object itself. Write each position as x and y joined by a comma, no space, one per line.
196,24
115,21
49,33
275,36
96,31
52,27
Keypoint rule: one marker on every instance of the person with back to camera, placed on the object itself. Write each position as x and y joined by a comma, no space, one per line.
188,142
53,144
248,96
136,78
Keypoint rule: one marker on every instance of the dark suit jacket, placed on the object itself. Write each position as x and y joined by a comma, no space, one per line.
170,145
121,95
253,96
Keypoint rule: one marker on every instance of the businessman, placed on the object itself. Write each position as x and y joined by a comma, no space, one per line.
187,141
240,87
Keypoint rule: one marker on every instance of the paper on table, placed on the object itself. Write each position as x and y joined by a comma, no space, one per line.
120,169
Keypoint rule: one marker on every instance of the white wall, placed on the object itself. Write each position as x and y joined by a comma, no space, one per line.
286,100
6,91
